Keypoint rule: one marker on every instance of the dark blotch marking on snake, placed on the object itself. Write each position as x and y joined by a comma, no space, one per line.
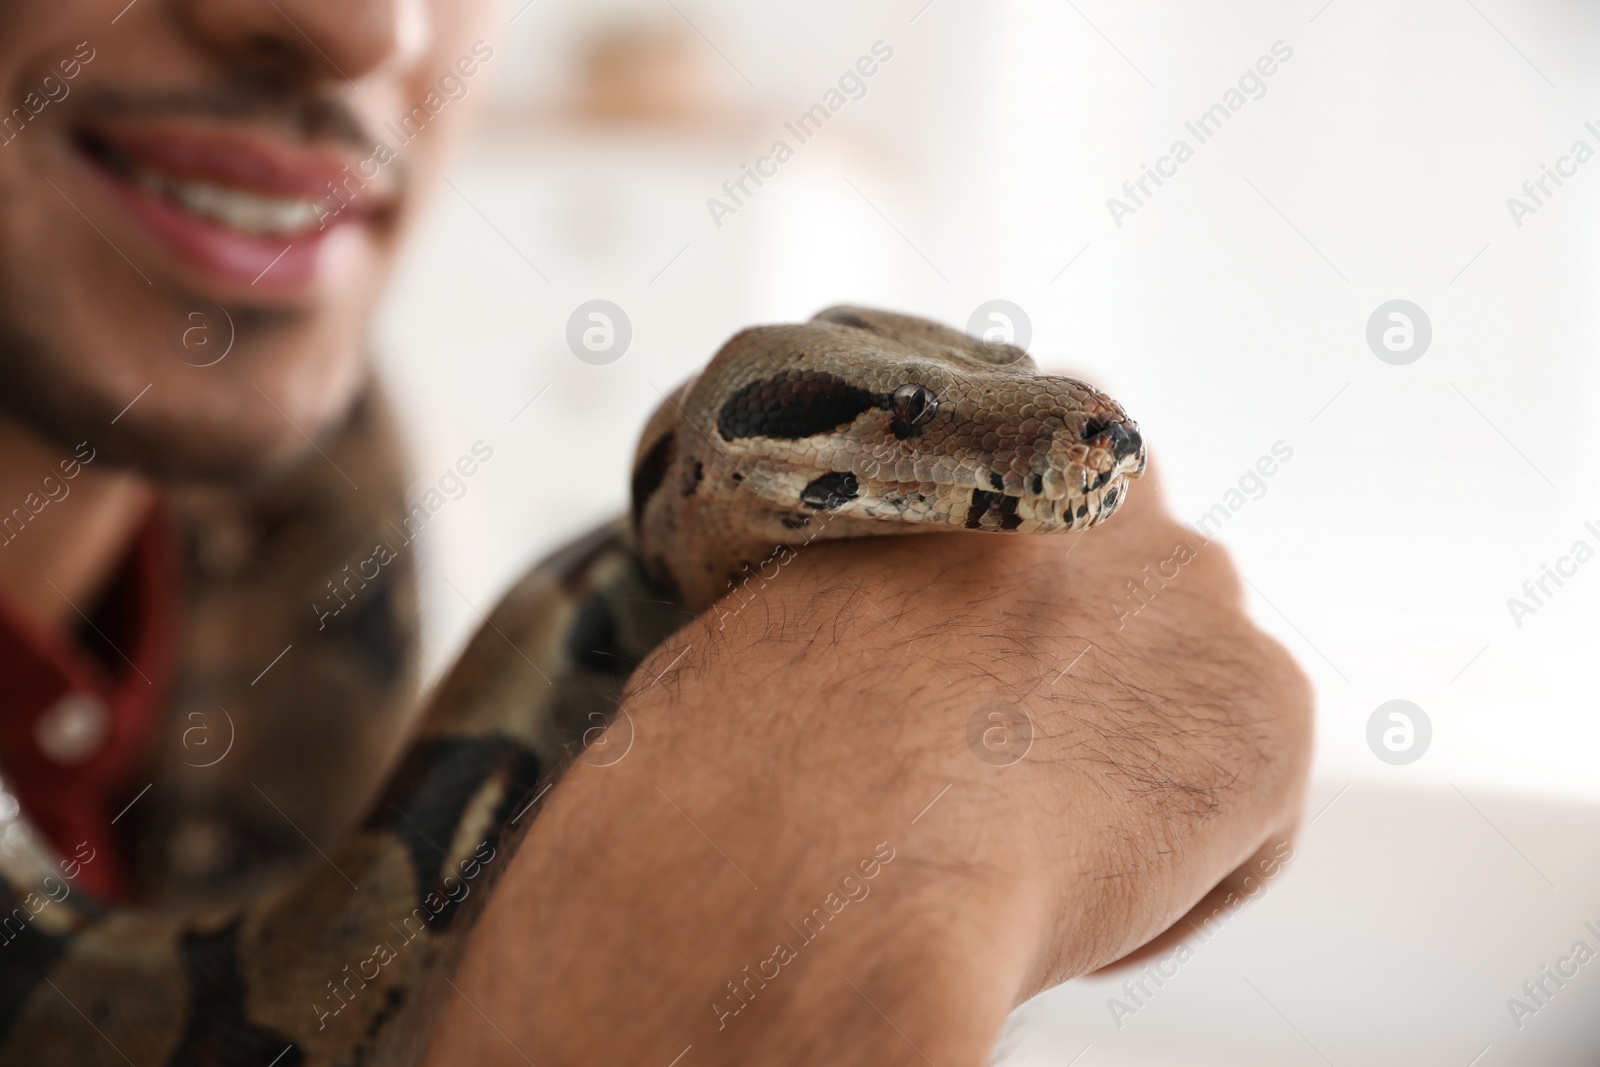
995,481
218,1030
691,480
393,1001
833,490
1009,519
373,634
1037,485
660,575
792,405
32,953
982,501
650,473
1093,428
903,430
428,796
592,641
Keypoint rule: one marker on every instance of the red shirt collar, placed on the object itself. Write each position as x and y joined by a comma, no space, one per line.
76,727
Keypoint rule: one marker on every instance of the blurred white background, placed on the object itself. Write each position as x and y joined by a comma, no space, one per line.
1228,312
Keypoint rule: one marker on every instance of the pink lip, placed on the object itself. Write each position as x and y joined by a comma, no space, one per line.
243,162
271,264
239,261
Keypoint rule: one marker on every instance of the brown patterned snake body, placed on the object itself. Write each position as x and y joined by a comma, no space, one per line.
857,423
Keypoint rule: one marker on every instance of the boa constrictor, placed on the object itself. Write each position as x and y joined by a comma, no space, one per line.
857,423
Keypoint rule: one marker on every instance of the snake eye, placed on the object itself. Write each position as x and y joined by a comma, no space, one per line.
914,404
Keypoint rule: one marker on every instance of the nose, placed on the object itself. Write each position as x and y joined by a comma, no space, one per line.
1121,437
337,40
1125,439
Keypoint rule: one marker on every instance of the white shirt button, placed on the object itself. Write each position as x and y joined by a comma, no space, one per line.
73,729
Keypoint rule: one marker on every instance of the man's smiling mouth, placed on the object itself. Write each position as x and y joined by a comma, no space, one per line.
235,208
224,184
236,205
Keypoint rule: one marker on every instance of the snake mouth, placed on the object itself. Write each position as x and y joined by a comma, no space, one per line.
1007,512
971,507
1083,493
1075,491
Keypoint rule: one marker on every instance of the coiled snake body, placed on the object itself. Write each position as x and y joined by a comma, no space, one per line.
857,423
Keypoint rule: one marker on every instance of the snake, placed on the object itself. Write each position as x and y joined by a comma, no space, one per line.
859,422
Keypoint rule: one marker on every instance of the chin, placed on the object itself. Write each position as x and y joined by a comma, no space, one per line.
166,451
150,414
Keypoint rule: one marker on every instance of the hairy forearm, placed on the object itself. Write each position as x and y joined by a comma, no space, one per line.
682,897
663,901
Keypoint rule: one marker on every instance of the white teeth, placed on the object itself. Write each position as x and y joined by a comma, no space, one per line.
252,213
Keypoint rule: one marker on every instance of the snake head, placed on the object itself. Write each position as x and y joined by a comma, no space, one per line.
870,415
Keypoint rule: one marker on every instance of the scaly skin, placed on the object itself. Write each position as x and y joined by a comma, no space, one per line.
860,423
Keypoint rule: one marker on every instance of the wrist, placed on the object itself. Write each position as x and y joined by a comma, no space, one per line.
911,978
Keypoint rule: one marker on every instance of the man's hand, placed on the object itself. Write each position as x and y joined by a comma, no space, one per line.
906,785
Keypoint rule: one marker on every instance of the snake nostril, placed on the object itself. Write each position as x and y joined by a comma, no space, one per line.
1122,438
1125,440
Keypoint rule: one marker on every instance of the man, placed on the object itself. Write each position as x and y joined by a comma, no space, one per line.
177,174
